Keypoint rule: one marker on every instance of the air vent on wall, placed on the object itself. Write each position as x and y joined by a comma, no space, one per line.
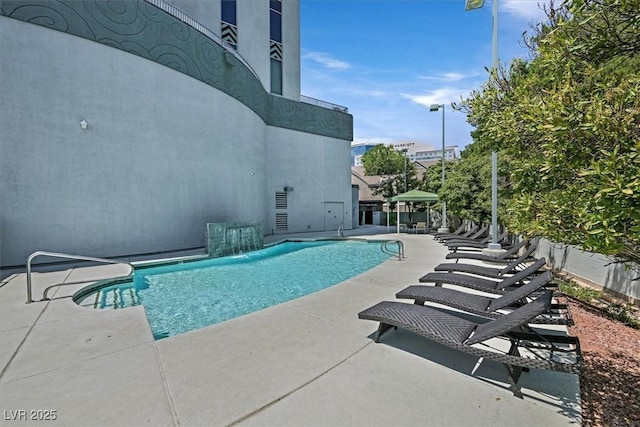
281,200
282,222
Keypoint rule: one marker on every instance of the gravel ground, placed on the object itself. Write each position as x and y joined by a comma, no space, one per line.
610,382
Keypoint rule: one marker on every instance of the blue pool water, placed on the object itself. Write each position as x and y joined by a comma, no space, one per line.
187,296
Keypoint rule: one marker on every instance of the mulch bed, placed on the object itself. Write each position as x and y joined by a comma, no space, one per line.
610,380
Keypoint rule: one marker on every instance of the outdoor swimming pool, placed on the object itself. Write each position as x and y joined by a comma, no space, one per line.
181,297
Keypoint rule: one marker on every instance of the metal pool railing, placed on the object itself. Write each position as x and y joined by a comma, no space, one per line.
67,256
400,252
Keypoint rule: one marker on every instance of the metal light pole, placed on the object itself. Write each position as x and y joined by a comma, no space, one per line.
494,245
443,228
404,153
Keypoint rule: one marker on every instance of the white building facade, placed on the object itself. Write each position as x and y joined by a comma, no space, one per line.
127,126
416,151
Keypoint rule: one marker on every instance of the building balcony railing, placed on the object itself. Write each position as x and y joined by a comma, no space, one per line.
323,104
179,14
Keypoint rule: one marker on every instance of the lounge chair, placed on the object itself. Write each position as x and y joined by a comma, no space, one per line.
420,226
504,257
495,273
468,233
460,231
455,244
481,284
471,337
479,234
487,306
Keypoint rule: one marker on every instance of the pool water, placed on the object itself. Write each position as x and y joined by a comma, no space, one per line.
187,296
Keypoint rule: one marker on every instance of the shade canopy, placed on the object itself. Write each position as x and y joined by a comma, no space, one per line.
415,196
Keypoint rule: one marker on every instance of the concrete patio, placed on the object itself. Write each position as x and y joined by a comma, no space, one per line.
307,362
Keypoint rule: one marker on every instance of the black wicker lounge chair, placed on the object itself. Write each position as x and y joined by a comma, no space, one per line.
475,244
495,273
458,232
505,257
487,306
550,352
478,234
481,284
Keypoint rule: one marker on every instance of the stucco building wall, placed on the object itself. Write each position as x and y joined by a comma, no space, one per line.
165,150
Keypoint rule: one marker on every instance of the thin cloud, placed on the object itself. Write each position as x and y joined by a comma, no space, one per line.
527,9
326,60
445,95
450,77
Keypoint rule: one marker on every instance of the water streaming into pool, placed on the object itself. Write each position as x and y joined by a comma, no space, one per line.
187,296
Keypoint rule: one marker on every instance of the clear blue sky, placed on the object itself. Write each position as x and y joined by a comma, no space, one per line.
388,60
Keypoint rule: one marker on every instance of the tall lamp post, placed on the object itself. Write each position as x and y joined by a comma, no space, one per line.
443,228
494,245
404,153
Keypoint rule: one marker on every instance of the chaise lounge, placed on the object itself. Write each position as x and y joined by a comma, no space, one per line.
459,232
482,284
474,244
479,234
472,337
489,307
420,226
496,273
505,257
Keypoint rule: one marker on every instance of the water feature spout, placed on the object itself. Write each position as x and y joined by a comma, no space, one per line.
233,238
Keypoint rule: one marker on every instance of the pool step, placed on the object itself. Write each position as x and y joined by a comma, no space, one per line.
118,297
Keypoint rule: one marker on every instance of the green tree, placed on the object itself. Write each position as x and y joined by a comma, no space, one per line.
568,124
467,188
431,182
384,160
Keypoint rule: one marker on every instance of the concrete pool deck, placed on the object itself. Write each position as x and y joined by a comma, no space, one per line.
307,362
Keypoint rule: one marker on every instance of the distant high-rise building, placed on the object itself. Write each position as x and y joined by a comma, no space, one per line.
416,151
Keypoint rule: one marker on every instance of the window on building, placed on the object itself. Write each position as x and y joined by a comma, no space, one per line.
276,76
276,5
275,19
228,24
229,14
275,45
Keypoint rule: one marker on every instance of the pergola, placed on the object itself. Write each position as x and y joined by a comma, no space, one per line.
412,196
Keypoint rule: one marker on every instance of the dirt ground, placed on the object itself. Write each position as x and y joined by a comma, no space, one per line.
610,381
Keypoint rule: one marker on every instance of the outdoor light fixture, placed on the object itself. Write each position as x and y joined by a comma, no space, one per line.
473,4
443,228
494,245
83,124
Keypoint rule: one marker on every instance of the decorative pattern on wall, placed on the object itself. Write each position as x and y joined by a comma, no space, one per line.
229,33
142,29
275,51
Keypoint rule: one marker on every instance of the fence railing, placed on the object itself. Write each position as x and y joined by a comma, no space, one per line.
177,13
324,104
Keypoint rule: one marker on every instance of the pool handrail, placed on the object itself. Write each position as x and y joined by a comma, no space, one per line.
68,256
400,252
